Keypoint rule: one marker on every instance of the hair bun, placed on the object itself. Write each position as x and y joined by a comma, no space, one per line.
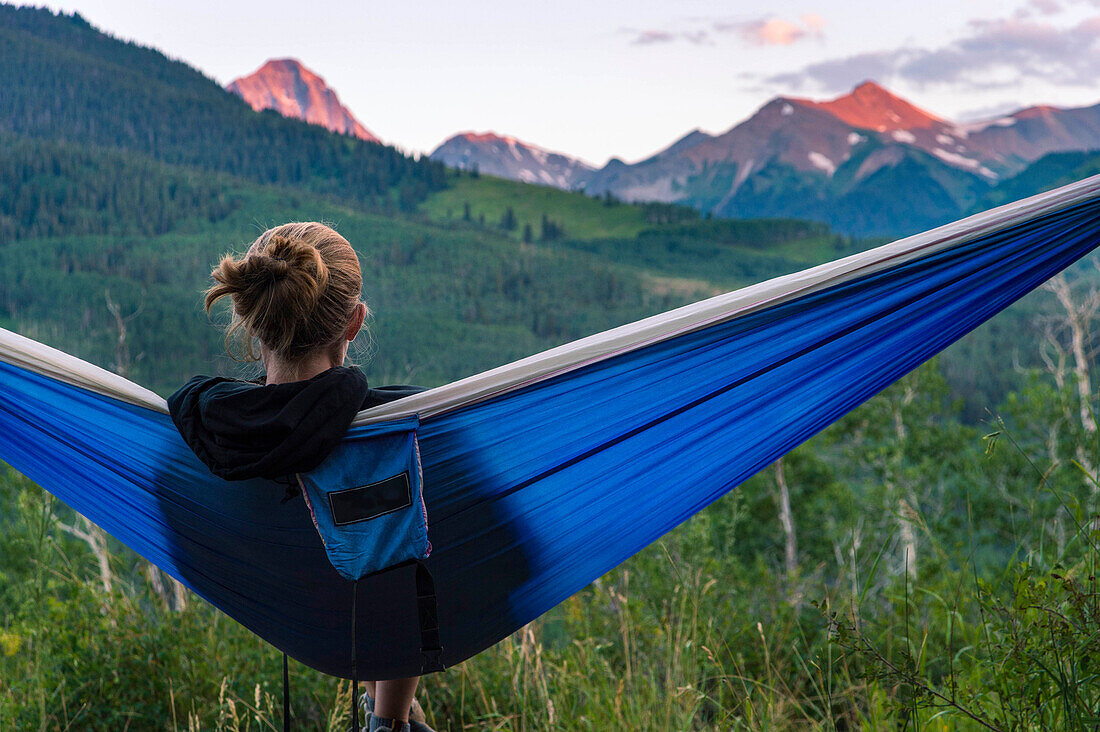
294,290
268,269
282,255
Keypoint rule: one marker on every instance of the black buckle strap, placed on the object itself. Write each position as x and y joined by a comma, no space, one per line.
427,610
286,695
354,660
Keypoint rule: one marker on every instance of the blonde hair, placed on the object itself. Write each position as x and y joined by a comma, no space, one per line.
295,290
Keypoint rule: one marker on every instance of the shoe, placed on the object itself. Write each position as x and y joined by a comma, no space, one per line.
377,724
416,713
392,725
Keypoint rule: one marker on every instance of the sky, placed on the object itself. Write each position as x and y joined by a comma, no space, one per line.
625,78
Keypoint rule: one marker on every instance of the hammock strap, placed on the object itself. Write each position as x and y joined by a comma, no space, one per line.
354,660
431,649
286,695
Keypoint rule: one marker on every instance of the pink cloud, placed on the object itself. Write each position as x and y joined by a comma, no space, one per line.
814,23
775,31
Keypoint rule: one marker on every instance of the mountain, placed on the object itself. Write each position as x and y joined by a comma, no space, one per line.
868,162
507,157
1010,143
293,90
782,131
872,107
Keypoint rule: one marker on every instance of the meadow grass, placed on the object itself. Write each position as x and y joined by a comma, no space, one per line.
583,217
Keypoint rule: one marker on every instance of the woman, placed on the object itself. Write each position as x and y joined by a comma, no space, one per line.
297,294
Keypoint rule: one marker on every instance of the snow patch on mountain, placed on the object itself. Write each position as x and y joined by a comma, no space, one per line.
962,161
821,161
955,159
970,128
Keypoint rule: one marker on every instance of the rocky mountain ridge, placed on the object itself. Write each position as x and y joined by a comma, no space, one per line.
868,162
508,157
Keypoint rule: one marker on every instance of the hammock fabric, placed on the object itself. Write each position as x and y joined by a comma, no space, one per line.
541,475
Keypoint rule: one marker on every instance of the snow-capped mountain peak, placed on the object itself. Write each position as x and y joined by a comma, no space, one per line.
509,157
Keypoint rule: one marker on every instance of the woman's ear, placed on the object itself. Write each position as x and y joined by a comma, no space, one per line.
356,322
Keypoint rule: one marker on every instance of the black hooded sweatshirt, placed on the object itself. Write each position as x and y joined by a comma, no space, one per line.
244,429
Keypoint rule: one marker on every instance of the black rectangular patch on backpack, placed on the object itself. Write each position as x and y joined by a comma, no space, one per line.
365,502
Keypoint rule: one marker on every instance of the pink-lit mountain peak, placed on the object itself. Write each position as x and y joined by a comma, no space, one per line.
870,106
490,137
287,86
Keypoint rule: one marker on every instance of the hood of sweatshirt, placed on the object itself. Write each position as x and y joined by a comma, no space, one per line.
243,429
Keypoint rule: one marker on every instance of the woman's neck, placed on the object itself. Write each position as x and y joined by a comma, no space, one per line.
281,372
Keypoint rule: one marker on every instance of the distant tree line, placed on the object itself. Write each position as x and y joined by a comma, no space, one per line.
668,213
745,232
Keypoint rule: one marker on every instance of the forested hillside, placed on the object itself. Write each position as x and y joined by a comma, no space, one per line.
1049,171
928,561
63,79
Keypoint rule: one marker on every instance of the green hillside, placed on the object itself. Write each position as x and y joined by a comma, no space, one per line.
489,198
1050,171
63,79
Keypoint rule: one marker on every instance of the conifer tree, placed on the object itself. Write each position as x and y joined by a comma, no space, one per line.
508,219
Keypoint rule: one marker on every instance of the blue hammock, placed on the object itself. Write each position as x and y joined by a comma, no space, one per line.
541,475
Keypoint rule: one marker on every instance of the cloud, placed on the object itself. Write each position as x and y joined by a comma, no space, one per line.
696,37
996,54
774,31
652,36
841,73
814,23
649,37
989,111
1049,7
1046,7
767,31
